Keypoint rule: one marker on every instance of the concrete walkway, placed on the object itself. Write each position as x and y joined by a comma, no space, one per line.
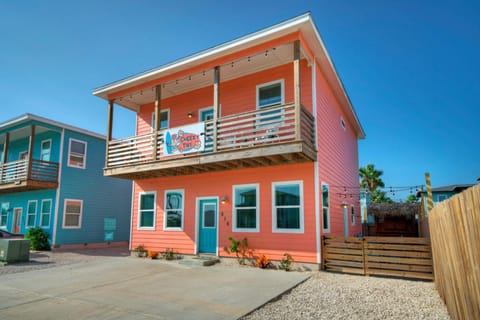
131,288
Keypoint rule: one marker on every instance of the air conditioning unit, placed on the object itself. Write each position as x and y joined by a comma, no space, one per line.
14,250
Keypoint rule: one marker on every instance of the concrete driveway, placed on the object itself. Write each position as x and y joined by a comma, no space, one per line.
132,288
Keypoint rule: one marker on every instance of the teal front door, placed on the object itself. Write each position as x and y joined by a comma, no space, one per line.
208,226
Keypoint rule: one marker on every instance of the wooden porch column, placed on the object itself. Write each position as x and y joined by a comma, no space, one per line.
5,148
30,152
296,87
109,130
156,125
5,153
216,104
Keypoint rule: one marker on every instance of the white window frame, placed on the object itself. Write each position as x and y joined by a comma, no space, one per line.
6,216
165,228
65,214
49,150
30,214
326,230
152,124
139,210
282,89
301,208
261,125
45,214
234,209
84,165
352,214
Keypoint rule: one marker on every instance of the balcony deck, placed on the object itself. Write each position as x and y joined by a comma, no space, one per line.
271,136
22,175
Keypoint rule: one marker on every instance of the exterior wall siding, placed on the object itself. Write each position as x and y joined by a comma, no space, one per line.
337,158
20,200
236,96
301,246
103,197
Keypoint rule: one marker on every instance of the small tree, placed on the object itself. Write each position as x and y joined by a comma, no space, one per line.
412,199
379,196
370,178
38,239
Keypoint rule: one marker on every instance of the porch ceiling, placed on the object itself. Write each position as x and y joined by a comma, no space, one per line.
22,133
234,69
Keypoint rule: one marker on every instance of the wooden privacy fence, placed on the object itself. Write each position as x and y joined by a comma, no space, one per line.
386,256
455,234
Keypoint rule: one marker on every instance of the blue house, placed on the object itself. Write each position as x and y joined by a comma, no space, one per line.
440,194
51,175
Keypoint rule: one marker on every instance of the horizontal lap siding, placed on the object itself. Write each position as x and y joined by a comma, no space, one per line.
337,157
301,246
236,96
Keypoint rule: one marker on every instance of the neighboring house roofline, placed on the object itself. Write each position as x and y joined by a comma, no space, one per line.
449,188
28,117
302,22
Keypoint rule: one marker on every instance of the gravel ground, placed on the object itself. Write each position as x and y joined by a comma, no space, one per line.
47,259
339,296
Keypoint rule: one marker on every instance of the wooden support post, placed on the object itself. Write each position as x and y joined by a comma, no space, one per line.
216,104
156,125
5,148
429,192
296,87
5,153
109,129
30,152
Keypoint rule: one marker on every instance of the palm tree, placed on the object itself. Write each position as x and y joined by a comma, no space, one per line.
370,177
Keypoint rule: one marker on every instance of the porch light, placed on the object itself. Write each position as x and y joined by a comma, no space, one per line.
190,114
344,205
224,199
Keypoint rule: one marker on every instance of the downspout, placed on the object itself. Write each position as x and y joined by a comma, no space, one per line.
315,163
57,198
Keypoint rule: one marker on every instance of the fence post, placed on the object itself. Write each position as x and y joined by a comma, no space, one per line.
365,265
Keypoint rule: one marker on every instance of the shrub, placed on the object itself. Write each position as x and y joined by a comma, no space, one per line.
38,239
240,248
168,254
287,262
140,251
262,262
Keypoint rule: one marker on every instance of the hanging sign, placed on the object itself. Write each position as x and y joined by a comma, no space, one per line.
183,140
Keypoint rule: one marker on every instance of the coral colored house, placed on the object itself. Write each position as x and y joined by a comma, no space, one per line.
251,138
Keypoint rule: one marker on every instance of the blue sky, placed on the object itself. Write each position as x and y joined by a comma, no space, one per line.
410,67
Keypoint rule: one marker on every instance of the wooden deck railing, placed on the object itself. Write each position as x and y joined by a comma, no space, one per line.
246,130
19,171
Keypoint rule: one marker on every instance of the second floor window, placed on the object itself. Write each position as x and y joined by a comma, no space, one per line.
77,154
45,151
270,95
164,119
